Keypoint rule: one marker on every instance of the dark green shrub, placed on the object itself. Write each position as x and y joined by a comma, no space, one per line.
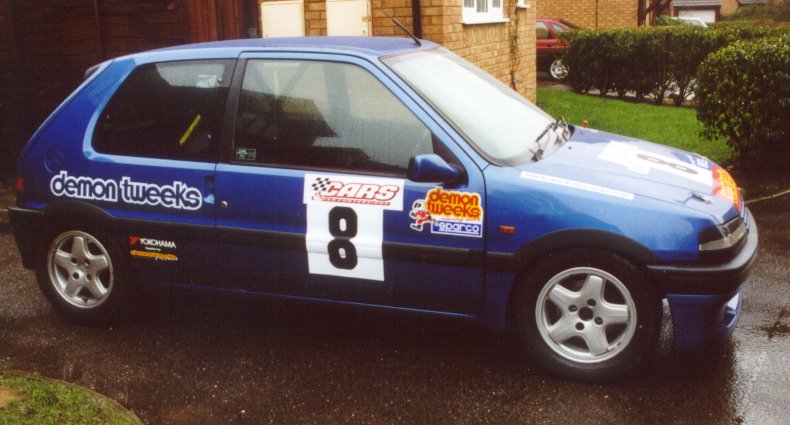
743,95
612,59
779,12
687,47
657,60
583,57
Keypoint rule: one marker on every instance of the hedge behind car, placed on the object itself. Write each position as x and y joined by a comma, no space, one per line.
658,60
743,95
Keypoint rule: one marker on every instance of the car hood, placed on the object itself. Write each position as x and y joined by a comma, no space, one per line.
633,167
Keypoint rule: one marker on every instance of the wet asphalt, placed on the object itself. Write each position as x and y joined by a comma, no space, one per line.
199,359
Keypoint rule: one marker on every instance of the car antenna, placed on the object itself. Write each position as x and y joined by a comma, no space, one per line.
396,22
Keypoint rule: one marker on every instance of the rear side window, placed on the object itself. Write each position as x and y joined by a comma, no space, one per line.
541,31
169,110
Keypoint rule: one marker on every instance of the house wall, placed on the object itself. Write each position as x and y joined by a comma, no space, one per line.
488,45
314,17
590,14
485,45
728,7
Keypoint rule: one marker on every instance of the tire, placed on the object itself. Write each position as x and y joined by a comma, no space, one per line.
557,70
587,314
80,274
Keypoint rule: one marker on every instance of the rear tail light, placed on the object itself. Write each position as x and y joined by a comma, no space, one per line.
20,189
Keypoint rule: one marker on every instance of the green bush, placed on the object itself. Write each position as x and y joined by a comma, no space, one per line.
779,12
743,95
657,60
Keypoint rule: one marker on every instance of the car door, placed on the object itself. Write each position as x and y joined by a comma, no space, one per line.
314,196
156,144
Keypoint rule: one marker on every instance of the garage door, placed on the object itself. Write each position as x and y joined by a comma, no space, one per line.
705,15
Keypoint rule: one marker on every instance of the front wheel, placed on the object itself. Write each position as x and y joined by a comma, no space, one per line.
558,70
587,314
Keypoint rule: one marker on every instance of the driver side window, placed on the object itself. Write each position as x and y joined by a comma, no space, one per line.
324,115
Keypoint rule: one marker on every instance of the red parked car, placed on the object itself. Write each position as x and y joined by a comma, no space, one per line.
549,47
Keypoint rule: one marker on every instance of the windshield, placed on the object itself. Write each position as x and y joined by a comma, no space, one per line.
500,123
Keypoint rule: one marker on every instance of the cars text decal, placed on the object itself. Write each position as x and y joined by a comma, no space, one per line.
345,223
177,195
449,213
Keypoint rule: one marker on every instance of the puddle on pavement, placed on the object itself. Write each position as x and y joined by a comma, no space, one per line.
780,327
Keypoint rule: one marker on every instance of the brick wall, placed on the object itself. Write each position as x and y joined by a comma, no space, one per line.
485,45
488,45
728,7
400,10
609,13
314,17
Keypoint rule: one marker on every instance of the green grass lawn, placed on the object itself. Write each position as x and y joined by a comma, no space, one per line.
28,400
666,125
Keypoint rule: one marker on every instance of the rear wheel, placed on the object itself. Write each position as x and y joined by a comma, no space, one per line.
79,275
587,314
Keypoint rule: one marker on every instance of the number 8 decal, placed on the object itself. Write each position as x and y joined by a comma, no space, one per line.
345,223
343,226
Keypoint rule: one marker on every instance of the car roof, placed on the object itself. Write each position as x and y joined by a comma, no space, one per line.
362,46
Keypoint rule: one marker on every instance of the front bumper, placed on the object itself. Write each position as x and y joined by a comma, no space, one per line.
705,300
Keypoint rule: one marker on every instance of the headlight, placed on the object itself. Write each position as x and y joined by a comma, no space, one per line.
725,187
722,237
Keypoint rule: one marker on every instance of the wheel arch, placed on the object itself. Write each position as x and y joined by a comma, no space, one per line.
67,213
524,260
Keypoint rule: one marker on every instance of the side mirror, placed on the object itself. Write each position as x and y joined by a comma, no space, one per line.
430,167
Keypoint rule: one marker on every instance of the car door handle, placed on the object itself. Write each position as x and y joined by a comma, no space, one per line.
208,190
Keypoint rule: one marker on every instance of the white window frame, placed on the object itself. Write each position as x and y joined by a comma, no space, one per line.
483,12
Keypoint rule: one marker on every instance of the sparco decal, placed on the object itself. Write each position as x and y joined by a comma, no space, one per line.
449,213
176,196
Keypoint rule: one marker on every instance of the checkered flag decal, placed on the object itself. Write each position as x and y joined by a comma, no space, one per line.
321,184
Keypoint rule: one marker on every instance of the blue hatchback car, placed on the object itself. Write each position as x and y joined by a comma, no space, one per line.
376,172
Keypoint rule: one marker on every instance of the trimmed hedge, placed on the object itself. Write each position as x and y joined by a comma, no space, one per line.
657,60
743,95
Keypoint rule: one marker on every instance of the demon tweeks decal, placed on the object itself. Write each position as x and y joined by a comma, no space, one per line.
449,212
176,195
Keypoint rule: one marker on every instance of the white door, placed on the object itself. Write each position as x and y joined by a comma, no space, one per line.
706,16
282,18
347,17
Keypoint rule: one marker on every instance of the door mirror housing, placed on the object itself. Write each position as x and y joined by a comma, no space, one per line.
430,167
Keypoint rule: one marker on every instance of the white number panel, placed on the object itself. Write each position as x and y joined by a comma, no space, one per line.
345,223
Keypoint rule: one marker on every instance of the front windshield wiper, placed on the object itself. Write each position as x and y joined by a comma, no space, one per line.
537,155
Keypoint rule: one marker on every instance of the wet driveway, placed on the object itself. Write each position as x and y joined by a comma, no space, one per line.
199,359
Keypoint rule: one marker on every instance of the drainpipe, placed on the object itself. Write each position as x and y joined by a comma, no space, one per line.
416,18
596,14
